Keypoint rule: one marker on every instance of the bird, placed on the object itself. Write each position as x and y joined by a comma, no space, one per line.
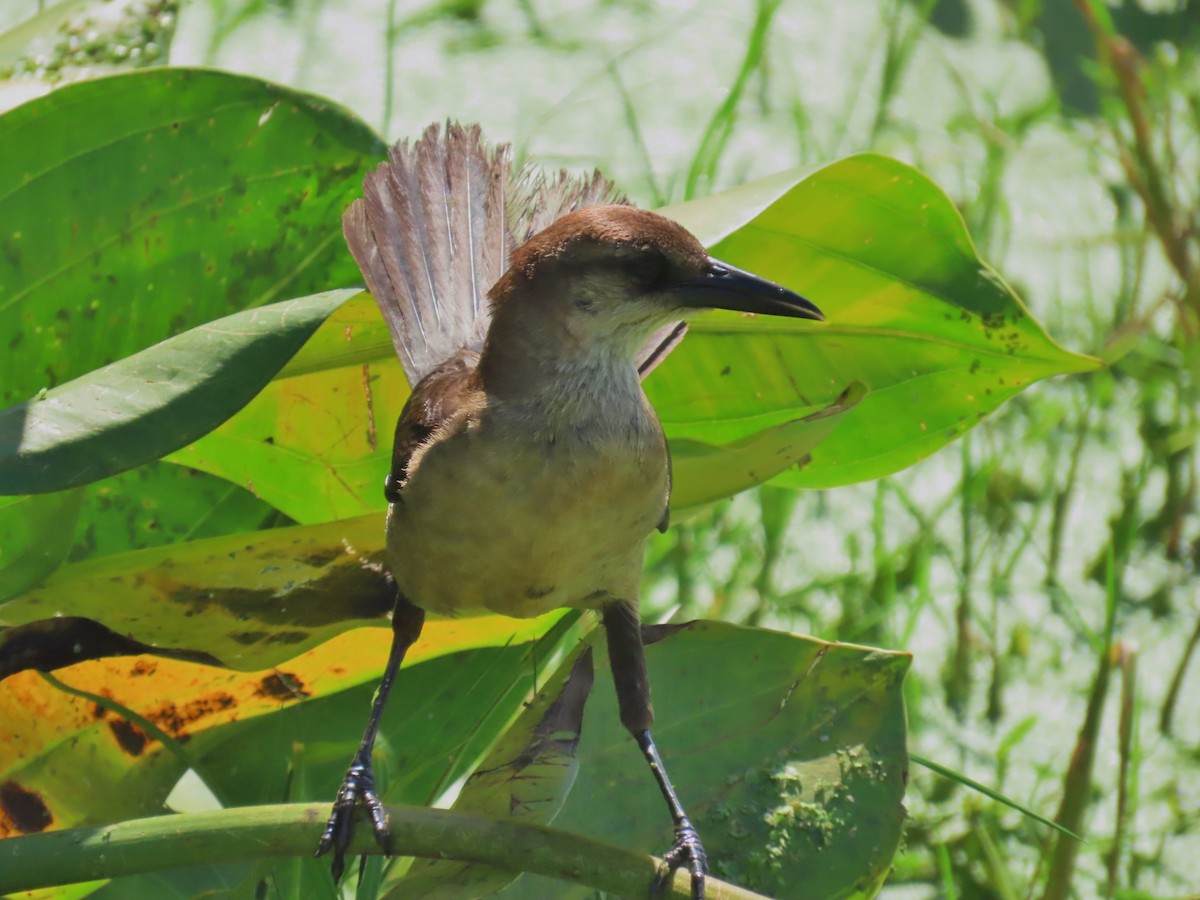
528,466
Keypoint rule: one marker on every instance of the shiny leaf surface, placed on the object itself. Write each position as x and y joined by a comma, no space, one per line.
140,408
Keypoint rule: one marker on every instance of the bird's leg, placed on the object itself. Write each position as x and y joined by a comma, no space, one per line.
359,784
628,661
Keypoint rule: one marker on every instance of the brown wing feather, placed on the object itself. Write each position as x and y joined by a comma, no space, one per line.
436,398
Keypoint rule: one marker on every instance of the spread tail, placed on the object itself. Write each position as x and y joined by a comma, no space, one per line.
435,227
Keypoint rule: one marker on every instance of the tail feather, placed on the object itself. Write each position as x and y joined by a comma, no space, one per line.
430,236
434,231
540,198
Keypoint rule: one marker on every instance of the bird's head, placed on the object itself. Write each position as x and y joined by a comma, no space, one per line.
618,272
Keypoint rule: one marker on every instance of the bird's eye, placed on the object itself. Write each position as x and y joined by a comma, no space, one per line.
648,269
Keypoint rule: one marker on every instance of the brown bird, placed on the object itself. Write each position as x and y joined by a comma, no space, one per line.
528,467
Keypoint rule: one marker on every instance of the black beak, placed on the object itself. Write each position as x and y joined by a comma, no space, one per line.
723,286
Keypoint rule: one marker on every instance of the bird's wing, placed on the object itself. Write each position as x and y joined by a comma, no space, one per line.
661,343
436,399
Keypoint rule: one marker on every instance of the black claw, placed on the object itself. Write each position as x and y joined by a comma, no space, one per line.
357,787
686,851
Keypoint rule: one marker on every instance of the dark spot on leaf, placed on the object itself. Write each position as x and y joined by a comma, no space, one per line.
24,808
248,637
11,254
288,637
131,738
143,667
174,719
282,686
726,370
535,593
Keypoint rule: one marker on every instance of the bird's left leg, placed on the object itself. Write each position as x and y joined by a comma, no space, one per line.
628,660
359,784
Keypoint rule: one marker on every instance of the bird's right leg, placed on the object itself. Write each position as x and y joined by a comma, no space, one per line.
628,660
359,784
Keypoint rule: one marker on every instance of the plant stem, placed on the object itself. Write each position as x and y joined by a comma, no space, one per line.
291,830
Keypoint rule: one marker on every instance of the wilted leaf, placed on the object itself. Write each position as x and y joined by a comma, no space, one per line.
250,600
198,708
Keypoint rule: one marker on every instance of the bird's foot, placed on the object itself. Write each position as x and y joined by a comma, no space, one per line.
357,787
687,851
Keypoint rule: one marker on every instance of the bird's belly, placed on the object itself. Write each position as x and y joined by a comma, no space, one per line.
523,533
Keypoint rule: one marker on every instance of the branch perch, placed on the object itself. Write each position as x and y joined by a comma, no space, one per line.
291,830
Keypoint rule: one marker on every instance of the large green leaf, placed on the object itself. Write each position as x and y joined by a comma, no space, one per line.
188,195
144,406
933,332
788,753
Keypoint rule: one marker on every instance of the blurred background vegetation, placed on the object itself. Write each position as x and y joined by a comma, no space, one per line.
1043,569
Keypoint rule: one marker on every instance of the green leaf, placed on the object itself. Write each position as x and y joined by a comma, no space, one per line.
35,535
789,755
936,336
189,195
140,408
472,696
160,503
704,473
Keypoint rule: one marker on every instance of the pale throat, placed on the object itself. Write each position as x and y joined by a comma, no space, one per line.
571,381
